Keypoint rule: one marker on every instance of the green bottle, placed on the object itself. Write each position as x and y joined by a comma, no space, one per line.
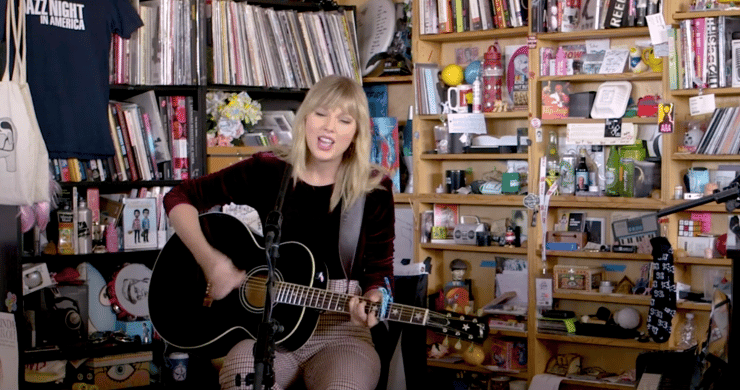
612,172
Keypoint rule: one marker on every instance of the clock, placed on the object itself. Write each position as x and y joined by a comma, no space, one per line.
376,22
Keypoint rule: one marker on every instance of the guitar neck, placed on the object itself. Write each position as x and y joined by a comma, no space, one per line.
299,295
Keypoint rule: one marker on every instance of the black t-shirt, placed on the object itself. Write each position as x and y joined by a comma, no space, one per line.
68,54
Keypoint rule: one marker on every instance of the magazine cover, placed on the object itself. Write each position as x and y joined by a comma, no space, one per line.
385,151
555,99
139,223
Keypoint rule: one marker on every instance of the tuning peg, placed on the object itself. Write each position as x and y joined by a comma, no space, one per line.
458,345
446,341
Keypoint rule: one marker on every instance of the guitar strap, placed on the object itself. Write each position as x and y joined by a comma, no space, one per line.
349,234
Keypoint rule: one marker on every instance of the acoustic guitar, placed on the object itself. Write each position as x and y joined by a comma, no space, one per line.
183,315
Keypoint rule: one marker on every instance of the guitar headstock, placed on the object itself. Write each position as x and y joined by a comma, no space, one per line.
464,327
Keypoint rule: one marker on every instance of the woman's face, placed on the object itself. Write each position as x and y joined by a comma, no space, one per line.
329,132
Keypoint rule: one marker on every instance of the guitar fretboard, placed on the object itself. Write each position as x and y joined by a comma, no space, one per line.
299,295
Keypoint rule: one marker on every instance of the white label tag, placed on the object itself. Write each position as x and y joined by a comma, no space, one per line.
543,289
702,104
656,25
466,123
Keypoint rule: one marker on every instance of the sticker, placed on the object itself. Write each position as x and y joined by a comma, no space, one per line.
665,117
613,128
702,104
536,123
532,41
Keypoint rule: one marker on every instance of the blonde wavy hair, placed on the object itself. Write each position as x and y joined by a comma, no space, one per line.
356,175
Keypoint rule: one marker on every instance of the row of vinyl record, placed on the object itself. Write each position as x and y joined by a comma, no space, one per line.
723,133
165,50
446,16
259,46
151,137
701,53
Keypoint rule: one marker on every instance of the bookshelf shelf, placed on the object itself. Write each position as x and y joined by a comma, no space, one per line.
722,262
388,79
597,384
487,115
565,121
624,32
507,333
705,157
710,207
600,255
585,78
642,300
472,248
461,365
117,186
474,35
686,305
704,14
696,92
603,202
605,341
475,156
403,198
488,200
262,92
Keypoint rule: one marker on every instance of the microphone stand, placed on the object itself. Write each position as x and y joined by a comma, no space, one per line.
264,347
730,195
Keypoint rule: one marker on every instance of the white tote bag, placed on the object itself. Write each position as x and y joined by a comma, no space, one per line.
24,159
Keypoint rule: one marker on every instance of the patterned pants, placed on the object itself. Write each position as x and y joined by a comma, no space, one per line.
338,356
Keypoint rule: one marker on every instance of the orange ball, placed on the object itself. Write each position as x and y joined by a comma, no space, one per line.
474,355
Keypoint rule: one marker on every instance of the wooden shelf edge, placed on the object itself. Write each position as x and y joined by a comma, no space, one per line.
604,341
565,121
597,384
403,198
599,255
643,300
704,157
721,262
623,32
645,76
705,91
475,156
606,202
388,79
475,35
468,367
490,200
704,14
473,248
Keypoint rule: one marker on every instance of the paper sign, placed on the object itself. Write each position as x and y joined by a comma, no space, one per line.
597,45
656,25
543,289
702,104
466,123
614,61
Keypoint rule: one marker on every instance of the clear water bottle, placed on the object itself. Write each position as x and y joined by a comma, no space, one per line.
687,337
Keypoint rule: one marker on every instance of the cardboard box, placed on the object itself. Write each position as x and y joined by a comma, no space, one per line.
509,355
577,278
121,371
578,238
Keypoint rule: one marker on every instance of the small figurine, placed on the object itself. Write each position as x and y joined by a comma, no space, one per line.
510,237
458,296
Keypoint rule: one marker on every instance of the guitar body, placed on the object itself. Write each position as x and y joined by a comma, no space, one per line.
178,287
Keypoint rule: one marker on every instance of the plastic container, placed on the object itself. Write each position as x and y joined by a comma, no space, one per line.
687,335
493,78
499,383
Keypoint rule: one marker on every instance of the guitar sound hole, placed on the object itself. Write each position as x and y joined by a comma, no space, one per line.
254,290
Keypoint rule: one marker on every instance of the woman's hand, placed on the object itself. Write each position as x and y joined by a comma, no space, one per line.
357,309
222,275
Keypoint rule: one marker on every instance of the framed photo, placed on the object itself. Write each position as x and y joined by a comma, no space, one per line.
139,223
596,229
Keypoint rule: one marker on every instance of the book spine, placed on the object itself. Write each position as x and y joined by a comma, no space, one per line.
699,40
444,13
118,157
712,49
672,59
722,51
149,144
178,115
124,134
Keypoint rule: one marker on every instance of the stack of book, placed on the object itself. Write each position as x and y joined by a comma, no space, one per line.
151,141
446,16
555,326
259,46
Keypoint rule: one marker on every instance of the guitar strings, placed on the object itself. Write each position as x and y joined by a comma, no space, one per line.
326,299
